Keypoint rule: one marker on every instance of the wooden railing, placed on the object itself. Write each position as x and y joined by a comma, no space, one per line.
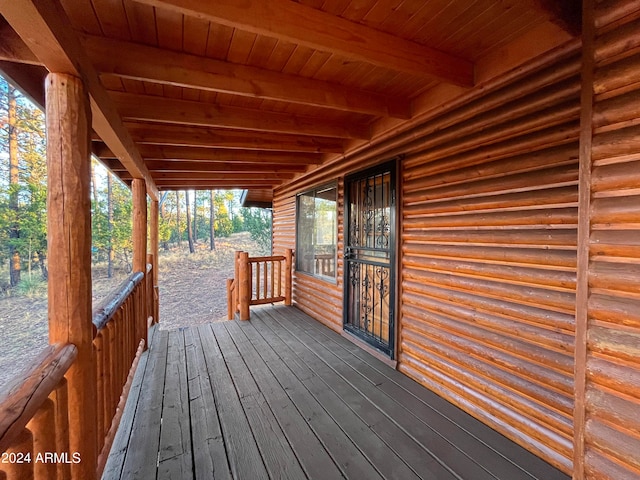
34,411
34,419
119,339
258,281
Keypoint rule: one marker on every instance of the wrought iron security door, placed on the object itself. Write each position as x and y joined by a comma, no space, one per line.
369,257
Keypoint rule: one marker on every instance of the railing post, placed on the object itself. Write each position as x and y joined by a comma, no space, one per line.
149,288
244,277
68,118
288,266
230,298
236,291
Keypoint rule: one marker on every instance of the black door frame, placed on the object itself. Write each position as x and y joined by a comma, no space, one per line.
390,166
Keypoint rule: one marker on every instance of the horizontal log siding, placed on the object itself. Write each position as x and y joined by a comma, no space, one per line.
321,299
489,232
612,393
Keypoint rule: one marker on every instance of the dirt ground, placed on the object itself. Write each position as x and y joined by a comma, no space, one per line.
192,291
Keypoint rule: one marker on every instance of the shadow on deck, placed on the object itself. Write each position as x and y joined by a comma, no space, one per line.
282,397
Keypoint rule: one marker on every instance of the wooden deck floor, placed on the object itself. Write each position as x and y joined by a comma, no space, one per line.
283,397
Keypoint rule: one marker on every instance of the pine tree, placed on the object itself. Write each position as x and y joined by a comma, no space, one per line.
14,187
212,220
189,232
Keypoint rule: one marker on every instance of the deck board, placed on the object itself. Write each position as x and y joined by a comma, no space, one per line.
334,455
442,439
282,396
209,454
175,454
243,453
491,449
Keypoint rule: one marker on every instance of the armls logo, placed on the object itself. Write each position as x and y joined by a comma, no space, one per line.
55,457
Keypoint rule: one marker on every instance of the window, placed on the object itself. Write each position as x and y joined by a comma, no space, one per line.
317,231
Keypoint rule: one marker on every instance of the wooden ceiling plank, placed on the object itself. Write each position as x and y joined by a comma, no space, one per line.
164,110
286,20
163,66
113,164
241,46
142,23
157,134
218,41
261,51
196,33
113,18
170,29
83,15
44,27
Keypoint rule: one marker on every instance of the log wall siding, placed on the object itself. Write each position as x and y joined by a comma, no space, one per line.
488,239
319,298
489,233
611,374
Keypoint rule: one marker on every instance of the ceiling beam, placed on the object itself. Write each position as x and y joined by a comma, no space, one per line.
270,178
29,79
215,184
158,134
46,30
141,62
567,14
255,168
304,25
204,155
185,112
13,48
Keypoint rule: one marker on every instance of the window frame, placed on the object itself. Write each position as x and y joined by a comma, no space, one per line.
313,193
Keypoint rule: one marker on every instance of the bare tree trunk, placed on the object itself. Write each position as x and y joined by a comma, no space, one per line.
178,219
195,216
110,253
42,260
94,187
163,216
14,228
189,232
212,219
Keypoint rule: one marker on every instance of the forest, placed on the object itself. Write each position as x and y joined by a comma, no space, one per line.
187,218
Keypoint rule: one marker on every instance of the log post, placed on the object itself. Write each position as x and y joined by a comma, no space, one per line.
231,309
236,276
68,118
244,277
288,261
154,244
21,471
139,194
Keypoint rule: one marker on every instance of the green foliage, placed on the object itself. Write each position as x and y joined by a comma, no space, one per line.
257,221
118,234
223,226
23,203
31,287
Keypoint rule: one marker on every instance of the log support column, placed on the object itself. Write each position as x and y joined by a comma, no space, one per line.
244,285
155,250
68,118
288,284
139,194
